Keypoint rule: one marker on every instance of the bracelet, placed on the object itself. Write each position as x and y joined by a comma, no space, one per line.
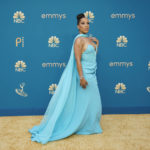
81,77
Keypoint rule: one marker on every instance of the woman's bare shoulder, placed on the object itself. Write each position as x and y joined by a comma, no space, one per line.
80,40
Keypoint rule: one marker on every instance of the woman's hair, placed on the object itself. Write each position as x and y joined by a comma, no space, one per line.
79,16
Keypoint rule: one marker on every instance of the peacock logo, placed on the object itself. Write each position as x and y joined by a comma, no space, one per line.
52,88
149,65
122,41
53,41
120,88
20,66
89,15
19,17
148,89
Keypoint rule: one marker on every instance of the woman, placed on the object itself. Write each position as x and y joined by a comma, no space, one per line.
75,107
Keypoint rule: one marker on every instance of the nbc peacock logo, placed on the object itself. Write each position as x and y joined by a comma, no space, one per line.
120,88
19,17
52,88
53,41
148,89
20,66
122,41
149,65
89,15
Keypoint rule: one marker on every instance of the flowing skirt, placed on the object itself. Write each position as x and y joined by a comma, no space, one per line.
79,117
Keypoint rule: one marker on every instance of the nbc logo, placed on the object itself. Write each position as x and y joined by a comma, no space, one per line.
18,17
148,89
120,88
52,88
89,15
122,41
53,41
20,66
149,65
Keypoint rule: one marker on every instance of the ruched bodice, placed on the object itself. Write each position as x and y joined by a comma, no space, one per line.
88,61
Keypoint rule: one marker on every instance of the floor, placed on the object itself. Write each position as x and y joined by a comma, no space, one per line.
120,132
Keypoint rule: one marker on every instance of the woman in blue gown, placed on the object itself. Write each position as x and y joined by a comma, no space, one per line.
75,107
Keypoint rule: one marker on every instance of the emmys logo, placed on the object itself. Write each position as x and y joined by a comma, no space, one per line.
20,66
60,65
52,88
121,64
149,65
18,17
122,16
122,41
53,41
53,16
89,15
120,88
20,91
20,41
148,89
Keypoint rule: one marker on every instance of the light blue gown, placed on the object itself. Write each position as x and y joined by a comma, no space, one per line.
72,109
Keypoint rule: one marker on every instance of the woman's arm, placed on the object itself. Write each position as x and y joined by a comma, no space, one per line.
78,53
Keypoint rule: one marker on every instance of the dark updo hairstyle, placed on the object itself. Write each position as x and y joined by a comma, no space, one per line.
79,16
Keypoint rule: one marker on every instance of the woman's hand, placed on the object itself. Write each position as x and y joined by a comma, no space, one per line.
83,82
94,39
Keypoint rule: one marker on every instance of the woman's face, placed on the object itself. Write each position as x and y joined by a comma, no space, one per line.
83,25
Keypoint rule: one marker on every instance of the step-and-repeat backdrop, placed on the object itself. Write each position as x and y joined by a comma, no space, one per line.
35,44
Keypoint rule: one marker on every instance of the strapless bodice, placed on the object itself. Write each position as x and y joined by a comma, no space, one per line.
88,61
